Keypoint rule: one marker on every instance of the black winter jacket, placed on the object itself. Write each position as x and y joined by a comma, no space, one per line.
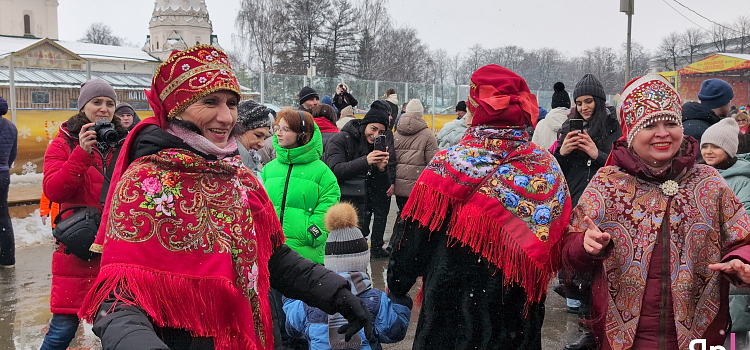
128,327
347,152
343,100
696,118
8,144
577,166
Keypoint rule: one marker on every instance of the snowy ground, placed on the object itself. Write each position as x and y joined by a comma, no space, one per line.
30,230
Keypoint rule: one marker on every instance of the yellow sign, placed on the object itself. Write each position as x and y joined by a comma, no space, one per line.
715,63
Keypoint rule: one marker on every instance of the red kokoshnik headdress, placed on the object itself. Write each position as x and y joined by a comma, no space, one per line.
507,198
186,239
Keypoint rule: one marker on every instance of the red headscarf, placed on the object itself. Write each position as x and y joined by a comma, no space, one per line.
500,97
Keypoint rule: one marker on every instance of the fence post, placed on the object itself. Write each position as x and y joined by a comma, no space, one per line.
376,90
433,107
12,89
88,71
262,87
458,93
406,93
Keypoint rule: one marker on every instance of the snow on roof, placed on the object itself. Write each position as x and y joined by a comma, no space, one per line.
10,44
197,5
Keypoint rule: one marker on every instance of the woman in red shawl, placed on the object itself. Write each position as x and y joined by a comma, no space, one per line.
648,294
484,226
190,242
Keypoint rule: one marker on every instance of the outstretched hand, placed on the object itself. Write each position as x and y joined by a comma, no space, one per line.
594,239
733,267
356,314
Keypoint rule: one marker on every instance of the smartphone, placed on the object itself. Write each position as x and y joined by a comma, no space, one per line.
576,124
380,143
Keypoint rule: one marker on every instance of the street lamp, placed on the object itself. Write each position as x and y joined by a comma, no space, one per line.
628,7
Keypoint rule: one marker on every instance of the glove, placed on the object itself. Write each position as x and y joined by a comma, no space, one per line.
404,300
355,312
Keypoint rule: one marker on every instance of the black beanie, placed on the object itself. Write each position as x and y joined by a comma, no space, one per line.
379,113
560,97
307,93
461,106
589,85
252,115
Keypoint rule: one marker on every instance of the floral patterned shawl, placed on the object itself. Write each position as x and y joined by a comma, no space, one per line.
509,203
188,240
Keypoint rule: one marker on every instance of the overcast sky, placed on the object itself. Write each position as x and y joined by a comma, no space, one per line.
570,26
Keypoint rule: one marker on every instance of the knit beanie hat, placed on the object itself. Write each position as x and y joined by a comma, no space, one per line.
461,106
715,93
329,101
379,113
346,248
3,106
724,135
307,93
348,111
560,97
415,106
124,108
94,88
589,85
252,115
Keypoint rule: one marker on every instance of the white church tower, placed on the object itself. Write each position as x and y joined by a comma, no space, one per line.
32,18
177,25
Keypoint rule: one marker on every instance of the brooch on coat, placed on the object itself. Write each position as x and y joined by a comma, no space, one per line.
669,187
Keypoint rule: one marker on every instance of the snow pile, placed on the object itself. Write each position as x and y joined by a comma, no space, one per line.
30,230
26,179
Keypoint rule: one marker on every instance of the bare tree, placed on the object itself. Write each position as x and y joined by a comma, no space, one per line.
373,21
339,47
454,66
100,33
742,30
261,28
721,36
441,67
545,66
476,57
670,50
305,20
407,58
692,42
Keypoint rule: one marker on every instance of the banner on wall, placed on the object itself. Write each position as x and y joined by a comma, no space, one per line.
716,63
36,130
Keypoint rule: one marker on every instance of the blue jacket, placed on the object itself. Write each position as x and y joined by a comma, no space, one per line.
8,144
390,320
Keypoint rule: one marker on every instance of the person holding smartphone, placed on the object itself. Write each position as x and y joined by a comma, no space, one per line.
584,143
357,163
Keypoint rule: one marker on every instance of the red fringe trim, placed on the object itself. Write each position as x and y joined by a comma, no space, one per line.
471,226
267,224
207,306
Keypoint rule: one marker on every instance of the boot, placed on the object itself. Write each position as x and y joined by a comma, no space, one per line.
377,253
587,341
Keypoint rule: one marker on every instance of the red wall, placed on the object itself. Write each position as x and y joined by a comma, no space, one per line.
690,85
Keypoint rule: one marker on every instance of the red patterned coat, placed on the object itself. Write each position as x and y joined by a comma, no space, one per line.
707,224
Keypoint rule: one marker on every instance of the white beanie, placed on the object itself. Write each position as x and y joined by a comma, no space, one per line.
414,106
724,134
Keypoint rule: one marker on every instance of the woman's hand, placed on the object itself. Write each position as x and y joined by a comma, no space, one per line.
87,137
390,190
570,142
734,267
594,240
587,145
376,157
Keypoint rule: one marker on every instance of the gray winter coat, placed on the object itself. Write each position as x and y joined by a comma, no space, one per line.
451,133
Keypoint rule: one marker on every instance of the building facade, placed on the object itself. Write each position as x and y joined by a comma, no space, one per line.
36,18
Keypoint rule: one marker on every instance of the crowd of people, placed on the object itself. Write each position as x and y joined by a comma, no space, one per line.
227,225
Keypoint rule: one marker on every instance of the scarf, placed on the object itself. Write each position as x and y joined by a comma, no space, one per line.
509,203
188,240
633,164
202,144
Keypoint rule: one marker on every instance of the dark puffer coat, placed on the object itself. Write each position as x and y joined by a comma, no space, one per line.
696,118
347,152
8,144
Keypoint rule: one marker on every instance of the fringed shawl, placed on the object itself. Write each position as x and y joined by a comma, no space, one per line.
188,240
509,203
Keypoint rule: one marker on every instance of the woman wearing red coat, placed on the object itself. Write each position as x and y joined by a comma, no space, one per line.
74,168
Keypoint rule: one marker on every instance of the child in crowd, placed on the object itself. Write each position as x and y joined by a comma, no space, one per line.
347,254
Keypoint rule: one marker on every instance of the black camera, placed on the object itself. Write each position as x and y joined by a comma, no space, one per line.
105,133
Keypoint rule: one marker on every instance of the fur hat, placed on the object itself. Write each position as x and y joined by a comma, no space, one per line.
307,93
560,97
379,113
645,98
94,88
500,97
346,248
461,106
724,135
3,106
415,106
252,115
589,85
715,93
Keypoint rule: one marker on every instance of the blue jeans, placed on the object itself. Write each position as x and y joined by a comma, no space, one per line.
62,330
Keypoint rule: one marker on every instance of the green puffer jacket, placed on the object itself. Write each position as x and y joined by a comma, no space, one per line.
738,178
311,190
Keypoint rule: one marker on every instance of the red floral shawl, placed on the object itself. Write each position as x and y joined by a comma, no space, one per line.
188,240
509,202
706,221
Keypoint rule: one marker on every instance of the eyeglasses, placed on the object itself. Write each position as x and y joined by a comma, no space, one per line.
282,129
